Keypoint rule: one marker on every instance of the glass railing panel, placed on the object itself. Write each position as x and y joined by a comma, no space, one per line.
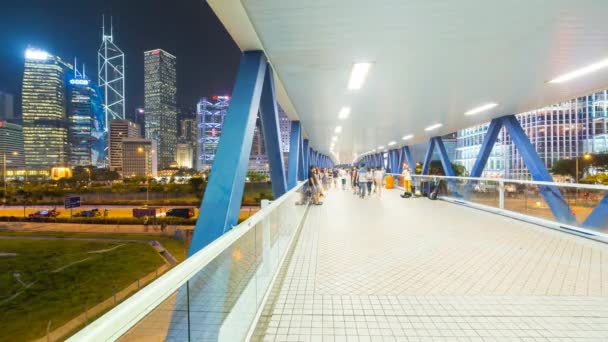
221,298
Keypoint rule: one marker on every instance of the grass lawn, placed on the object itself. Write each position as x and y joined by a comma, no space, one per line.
176,247
59,293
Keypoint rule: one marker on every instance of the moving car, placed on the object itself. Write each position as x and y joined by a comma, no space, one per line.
181,212
88,213
45,213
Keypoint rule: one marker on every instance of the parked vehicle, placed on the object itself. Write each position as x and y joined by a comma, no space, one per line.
45,213
181,212
149,211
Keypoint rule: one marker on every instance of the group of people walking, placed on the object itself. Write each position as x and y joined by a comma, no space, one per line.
364,181
367,180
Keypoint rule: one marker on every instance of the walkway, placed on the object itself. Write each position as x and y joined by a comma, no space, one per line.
418,270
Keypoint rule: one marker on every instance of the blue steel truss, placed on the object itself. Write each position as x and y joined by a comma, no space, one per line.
306,157
224,192
554,198
294,171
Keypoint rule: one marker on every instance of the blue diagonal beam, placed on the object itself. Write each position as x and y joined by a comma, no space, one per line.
484,153
306,157
224,192
294,155
554,198
269,117
407,154
428,156
599,216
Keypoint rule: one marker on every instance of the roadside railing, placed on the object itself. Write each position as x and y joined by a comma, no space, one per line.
522,199
216,294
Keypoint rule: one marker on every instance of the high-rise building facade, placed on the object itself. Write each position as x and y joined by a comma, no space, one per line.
119,130
11,145
44,110
184,156
210,115
86,122
7,107
561,131
188,130
140,158
111,75
160,91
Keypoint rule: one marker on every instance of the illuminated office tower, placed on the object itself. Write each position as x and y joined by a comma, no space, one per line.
160,92
43,106
86,122
210,115
119,130
111,74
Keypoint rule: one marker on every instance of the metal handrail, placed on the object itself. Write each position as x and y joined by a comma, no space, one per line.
504,180
123,317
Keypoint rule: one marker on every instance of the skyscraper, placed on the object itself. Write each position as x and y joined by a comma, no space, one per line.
210,115
86,122
11,145
139,156
160,92
119,130
7,103
111,73
44,114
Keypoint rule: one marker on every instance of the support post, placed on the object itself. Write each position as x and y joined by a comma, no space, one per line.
306,158
224,192
553,197
428,156
294,155
443,156
269,117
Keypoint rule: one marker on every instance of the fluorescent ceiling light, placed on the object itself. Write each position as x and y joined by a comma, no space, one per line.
581,72
357,75
380,147
338,129
391,143
334,138
435,126
480,109
407,137
344,113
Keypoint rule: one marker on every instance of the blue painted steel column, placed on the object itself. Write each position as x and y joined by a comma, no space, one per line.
222,200
599,216
553,197
301,166
486,147
269,118
443,156
306,158
294,155
427,157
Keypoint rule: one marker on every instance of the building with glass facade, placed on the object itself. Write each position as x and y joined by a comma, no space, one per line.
139,157
86,123
184,156
45,130
160,95
561,131
11,145
119,130
210,115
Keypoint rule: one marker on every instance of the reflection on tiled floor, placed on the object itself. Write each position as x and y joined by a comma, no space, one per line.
395,269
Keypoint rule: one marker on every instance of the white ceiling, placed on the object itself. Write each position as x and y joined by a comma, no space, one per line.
433,60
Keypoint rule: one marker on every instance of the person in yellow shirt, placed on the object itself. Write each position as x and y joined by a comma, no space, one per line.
407,178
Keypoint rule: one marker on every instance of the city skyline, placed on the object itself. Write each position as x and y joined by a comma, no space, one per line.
136,29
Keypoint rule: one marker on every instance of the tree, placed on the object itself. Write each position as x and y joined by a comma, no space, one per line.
565,167
256,177
436,168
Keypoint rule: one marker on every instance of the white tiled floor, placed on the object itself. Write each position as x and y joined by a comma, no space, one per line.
392,269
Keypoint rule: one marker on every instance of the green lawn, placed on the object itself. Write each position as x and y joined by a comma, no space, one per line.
63,294
176,247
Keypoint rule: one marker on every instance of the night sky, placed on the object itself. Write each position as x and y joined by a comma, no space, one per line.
207,58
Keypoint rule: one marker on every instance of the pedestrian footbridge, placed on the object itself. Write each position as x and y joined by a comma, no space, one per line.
370,269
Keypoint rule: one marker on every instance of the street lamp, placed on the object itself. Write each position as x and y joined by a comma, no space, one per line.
586,156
